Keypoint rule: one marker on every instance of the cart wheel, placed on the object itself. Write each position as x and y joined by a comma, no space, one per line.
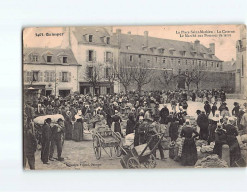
118,151
151,162
97,147
133,163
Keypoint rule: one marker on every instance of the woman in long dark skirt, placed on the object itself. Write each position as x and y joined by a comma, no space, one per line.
78,130
189,152
68,126
211,130
117,120
130,124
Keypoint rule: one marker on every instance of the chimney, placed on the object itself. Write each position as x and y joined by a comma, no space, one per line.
146,38
212,47
118,32
196,44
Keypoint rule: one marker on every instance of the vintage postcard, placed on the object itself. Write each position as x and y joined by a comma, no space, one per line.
130,97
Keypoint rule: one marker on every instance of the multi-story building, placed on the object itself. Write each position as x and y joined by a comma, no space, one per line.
88,56
173,55
96,50
53,71
241,72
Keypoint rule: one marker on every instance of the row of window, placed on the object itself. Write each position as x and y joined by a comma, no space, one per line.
49,76
173,60
49,59
107,72
90,39
91,56
171,51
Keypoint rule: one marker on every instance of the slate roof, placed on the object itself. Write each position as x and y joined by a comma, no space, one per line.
56,53
136,43
98,34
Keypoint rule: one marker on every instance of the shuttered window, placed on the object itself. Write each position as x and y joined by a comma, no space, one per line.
65,76
49,76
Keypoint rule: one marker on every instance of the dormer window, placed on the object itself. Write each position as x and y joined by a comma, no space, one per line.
65,60
152,49
183,53
128,47
90,38
161,50
35,58
108,40
171,50
49,59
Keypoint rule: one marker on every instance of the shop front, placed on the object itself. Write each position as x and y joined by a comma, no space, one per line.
101,88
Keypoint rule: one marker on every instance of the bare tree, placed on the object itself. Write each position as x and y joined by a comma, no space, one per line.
93,75
142,76
198,77
189,77
125,76
167,77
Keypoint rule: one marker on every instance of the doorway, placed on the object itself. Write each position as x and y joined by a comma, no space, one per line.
64,93
84,90
48,92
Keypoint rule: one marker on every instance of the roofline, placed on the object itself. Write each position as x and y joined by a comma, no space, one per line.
52,64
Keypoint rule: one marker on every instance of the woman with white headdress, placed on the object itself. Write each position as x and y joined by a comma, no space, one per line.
220,139
116,119
189,152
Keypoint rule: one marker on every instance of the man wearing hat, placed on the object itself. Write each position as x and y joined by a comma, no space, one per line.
207,108
30,146
56,139
173,124
164,112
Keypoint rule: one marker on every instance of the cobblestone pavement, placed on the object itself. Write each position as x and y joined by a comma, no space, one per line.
80,155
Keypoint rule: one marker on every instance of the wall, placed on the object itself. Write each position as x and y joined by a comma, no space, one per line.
213,80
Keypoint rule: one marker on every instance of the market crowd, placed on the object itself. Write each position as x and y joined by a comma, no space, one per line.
214,122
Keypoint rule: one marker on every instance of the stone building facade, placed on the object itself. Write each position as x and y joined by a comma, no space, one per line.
52,71
96,51
176,57
241,72
88,56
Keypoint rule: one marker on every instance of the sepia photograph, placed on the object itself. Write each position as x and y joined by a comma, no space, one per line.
134,97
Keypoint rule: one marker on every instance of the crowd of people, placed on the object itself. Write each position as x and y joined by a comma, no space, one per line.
143,113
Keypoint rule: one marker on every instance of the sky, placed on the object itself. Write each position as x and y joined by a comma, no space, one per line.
225,45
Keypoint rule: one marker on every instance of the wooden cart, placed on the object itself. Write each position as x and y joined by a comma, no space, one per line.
108,140
142,154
